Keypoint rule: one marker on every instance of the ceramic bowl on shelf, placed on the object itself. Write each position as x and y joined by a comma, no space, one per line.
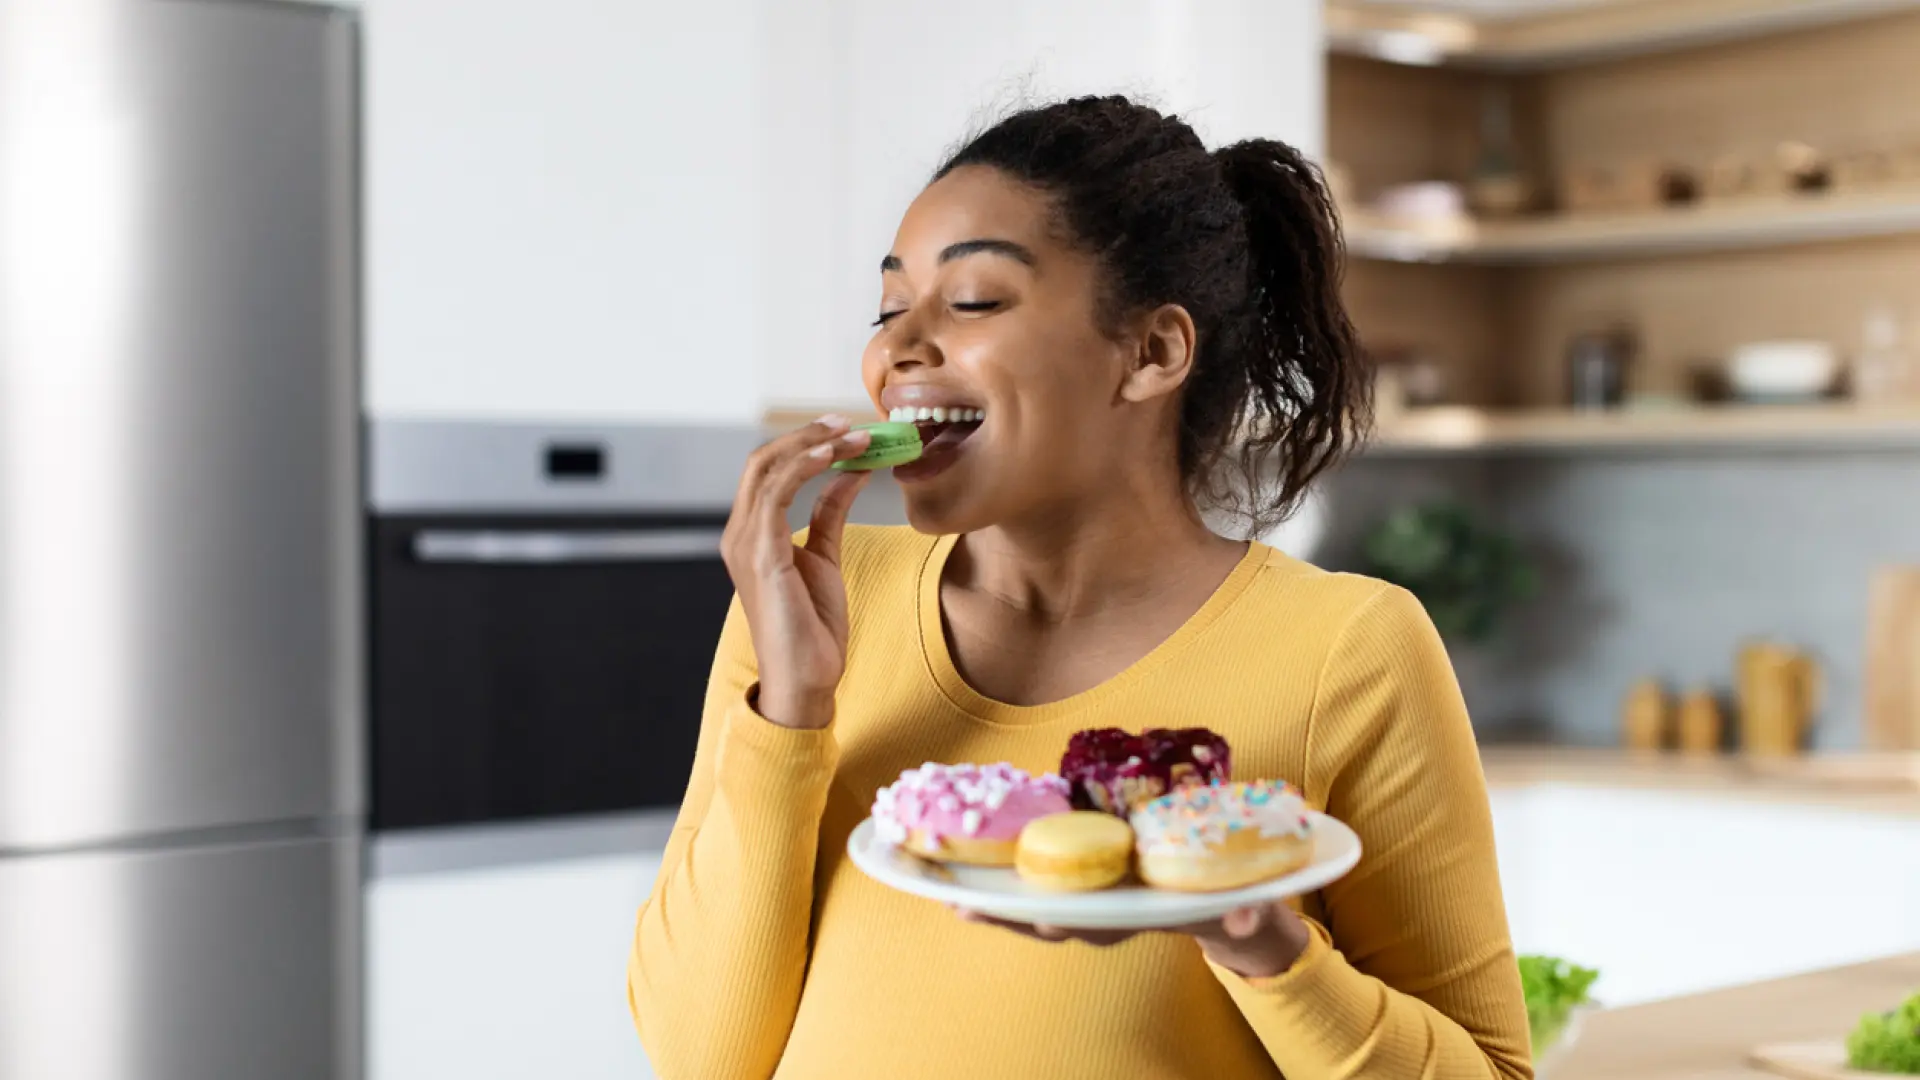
1783,371
1433,201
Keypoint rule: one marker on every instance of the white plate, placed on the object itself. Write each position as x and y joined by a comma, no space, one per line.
1002,894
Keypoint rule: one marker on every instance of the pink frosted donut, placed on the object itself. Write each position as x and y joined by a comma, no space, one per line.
965,813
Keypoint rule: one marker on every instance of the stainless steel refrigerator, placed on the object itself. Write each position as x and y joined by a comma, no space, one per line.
180,579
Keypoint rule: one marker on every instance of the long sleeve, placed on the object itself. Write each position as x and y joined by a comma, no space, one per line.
1412,972
720,951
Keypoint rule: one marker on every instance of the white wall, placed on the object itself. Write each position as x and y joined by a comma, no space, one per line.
562,204
602,209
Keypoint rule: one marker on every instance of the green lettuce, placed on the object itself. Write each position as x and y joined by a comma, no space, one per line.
1888,1042
1553,988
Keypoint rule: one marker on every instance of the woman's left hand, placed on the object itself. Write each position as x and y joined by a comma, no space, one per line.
1254,942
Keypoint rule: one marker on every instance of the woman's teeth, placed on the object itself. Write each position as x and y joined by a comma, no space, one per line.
907,415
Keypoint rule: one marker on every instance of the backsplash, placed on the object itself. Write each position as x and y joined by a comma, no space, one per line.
1663,567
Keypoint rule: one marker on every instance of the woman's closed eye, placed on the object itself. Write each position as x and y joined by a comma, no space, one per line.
965,307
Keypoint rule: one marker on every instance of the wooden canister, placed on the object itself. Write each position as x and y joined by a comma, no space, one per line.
1702,727
1646,717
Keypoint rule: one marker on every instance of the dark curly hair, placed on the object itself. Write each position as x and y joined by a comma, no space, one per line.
1245,238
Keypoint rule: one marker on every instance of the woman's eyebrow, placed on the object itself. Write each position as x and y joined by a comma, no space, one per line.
1005,248
984,246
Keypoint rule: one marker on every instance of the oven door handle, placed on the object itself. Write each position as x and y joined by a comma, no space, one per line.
545,547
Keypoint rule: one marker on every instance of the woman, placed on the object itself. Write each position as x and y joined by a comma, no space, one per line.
1147,328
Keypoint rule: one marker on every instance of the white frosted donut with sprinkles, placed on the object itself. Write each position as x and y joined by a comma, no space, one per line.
1222,836
969,814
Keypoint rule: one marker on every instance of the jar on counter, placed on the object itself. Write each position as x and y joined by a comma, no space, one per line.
1702,726
1646,717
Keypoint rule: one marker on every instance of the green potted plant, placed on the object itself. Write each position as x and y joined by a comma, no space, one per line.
1466,573
1558,995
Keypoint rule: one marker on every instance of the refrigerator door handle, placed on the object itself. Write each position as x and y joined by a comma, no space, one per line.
558,547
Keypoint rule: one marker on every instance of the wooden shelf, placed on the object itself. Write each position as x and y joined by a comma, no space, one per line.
1438,32
1677,230
1459,430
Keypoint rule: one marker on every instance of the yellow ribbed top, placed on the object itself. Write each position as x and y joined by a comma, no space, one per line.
763,952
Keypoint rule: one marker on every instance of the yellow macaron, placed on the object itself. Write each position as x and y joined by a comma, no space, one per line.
1077,851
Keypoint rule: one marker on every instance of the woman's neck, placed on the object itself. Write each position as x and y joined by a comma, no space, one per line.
1110,552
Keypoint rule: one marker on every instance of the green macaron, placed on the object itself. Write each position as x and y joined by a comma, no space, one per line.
892,443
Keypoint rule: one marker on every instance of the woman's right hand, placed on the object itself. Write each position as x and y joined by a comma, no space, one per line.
794,597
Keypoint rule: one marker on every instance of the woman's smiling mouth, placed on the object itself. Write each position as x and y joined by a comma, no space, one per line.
943,428
940,428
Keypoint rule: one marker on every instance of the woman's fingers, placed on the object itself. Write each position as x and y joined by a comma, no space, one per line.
782,485
1235,925
1256,942
1244,922
763,461
757,529
829,522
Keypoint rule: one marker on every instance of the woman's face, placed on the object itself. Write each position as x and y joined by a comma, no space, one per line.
985,311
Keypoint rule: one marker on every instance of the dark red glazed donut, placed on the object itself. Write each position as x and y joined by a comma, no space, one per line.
1114,771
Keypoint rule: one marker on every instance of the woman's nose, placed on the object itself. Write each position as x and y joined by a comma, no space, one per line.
908,345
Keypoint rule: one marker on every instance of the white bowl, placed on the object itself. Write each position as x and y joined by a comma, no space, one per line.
1428,201
1783,369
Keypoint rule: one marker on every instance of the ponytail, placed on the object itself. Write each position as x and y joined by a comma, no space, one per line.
1305,388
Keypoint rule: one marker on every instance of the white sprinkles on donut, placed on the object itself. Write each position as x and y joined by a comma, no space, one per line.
966,789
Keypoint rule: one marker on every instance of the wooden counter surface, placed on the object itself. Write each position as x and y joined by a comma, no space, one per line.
1872,783
1708,1036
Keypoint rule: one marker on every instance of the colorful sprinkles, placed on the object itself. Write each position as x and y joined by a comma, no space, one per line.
1206,816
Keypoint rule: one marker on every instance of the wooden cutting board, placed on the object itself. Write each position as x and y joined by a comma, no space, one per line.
1825,1060
1893,660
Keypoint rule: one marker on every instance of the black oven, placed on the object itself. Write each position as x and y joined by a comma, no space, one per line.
544,609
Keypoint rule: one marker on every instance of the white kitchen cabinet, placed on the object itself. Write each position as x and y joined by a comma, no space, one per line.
563,204
871,94
1670,893
505,973
1515,844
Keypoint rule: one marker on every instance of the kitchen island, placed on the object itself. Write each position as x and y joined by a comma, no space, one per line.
1709,1036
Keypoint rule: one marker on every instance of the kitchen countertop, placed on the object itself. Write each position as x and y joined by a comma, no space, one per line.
499,844
1708,1036
1871,783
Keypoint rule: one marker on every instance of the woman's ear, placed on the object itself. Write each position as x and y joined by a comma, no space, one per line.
1165,356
